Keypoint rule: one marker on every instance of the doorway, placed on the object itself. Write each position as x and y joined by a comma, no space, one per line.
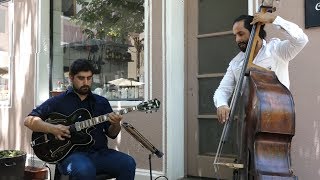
210,48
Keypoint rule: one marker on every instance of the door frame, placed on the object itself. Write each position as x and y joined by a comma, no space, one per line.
199,165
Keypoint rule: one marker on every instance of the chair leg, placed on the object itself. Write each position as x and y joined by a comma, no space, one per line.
57,174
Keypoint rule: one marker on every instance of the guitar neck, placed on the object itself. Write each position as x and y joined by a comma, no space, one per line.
100,119
126,110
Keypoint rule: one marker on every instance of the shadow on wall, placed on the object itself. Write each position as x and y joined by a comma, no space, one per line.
13,134
306,154
128,144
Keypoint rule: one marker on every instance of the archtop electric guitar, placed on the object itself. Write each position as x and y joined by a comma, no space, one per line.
49,149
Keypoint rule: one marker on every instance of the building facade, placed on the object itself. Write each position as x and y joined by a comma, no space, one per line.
187,47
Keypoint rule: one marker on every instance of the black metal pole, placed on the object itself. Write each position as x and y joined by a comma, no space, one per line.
150,166
51,48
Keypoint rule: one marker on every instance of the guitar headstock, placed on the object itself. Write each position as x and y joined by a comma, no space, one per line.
149,106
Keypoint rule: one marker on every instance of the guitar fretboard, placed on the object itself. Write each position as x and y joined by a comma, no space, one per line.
103,118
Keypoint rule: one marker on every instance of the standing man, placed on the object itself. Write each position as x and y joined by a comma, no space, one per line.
274,55
84,163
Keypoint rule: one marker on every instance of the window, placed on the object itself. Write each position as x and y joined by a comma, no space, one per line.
109,33
5,49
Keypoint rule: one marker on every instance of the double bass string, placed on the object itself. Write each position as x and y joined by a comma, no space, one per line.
234,100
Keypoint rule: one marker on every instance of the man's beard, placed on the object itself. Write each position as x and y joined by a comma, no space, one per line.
83,90
243,46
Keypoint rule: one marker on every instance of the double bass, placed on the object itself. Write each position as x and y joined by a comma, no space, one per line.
267,118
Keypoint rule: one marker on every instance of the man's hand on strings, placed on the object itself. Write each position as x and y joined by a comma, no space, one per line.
263,18
114,118
223,113
60,131
115,127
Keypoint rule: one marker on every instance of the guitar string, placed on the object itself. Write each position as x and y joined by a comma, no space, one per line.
92,122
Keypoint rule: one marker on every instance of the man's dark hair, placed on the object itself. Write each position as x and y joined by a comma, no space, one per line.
247,20
80,65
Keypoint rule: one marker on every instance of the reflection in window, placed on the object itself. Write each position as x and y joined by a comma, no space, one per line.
109,33
4,54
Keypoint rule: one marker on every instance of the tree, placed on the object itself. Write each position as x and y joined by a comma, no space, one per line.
115,19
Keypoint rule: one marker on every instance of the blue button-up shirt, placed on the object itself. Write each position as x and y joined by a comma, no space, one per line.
68,102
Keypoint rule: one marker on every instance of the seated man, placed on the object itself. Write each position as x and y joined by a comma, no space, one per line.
84,163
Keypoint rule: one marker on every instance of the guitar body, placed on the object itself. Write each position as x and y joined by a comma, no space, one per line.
49,149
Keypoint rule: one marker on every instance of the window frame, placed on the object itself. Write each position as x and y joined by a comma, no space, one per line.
44,58
10,14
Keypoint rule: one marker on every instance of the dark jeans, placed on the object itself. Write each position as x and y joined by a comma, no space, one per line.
85,165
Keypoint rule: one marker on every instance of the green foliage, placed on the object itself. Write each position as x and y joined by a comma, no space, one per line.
112,18
10,153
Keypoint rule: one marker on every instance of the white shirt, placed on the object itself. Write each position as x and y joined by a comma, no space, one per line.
274,55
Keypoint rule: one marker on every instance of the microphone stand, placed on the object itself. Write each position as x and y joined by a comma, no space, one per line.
150,168
143,141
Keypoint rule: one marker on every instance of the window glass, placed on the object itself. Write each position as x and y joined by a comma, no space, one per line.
219,21
210,131
4,53
110,34
215,53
